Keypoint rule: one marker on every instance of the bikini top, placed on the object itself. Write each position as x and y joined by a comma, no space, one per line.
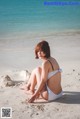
52,73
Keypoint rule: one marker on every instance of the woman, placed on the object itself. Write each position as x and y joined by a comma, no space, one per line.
47,77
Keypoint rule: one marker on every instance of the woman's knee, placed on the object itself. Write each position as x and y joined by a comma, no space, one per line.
37,70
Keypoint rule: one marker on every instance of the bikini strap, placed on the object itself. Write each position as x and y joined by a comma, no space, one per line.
51,65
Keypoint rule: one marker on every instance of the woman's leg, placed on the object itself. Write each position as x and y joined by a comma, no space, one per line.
44,95
34,80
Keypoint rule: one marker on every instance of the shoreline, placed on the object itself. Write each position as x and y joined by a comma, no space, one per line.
39,33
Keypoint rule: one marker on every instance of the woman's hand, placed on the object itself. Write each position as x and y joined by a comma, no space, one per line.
32,98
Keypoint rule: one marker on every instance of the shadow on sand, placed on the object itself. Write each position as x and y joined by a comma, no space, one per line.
69,97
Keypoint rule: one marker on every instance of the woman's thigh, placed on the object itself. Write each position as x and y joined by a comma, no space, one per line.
37,72
44,95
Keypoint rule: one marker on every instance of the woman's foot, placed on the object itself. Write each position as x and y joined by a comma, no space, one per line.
25,87
29,92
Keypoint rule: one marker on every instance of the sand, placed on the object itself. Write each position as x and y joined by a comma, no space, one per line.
66,49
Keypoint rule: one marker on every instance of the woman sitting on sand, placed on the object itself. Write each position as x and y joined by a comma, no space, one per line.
47,77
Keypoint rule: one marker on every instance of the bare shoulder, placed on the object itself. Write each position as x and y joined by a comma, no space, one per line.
45,63
55,63
54,60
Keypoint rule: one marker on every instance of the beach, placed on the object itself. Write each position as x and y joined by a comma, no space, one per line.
17,60
22,25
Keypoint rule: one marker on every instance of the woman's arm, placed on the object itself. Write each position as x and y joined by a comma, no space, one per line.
42,83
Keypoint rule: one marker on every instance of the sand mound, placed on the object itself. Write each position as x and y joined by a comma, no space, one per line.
13,78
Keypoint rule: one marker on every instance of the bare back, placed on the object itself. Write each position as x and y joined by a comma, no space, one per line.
54,83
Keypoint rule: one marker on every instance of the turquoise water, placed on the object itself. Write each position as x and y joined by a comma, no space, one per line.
33,15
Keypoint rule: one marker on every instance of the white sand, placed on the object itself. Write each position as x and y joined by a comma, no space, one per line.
66,49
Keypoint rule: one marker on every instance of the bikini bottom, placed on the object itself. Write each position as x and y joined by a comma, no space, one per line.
53,96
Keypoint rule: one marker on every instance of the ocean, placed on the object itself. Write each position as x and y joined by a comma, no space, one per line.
34,15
